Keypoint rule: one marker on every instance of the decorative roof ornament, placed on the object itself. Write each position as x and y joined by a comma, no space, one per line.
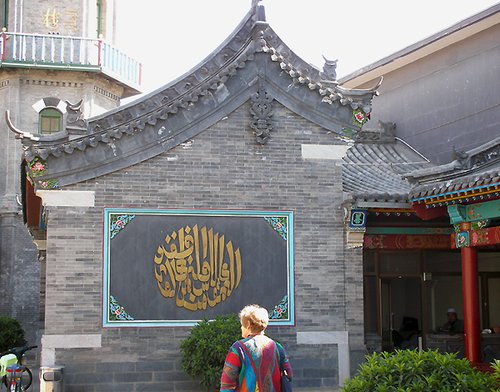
261,111
75,119
462,158
258,11
385,133
329,72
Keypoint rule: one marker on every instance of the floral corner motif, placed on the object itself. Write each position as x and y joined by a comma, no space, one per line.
48,184
118,223
280,311
38,167
348,134
478,225
279,225
359,117
117,312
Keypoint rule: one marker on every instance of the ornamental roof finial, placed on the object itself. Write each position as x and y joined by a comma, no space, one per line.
258,10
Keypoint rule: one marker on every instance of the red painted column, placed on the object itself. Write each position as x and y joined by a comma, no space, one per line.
470,295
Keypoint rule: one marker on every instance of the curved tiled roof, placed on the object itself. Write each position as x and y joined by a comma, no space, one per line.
474,171
251,57
373,170
483,180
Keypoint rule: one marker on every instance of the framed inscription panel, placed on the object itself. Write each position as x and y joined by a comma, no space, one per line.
176,267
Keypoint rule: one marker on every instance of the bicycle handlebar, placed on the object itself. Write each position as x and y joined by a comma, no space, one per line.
18,351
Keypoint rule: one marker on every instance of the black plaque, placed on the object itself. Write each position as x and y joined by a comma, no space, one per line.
167,268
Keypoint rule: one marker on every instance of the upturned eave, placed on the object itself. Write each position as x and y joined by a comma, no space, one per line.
252,59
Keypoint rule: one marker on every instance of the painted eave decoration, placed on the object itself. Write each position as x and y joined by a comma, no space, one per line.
253,63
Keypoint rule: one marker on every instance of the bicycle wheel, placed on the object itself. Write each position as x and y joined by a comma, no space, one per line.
26,380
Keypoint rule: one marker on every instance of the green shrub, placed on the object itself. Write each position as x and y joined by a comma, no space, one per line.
11,333
205,349
415,371
495,365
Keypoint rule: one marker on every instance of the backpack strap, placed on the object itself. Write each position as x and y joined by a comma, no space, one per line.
281,356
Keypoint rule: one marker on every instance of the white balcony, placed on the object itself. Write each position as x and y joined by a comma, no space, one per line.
67,52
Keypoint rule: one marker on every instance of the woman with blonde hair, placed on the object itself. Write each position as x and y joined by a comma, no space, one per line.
256,362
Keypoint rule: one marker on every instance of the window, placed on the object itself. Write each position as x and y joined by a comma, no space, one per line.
50,121
4,13
101,18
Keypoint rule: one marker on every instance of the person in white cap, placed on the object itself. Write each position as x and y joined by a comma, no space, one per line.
454,324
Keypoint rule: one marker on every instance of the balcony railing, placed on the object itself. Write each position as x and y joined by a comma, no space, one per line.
67,52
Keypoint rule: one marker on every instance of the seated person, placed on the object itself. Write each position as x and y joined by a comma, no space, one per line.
454,325
407,336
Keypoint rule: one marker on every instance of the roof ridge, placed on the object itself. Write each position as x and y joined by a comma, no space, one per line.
189,89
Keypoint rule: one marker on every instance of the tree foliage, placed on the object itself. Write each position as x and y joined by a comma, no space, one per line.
205,349
11,333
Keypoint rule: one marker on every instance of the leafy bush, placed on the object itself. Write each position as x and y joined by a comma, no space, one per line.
11,333
205,349
495,365
410,370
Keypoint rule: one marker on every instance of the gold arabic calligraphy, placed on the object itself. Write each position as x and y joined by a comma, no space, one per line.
191,266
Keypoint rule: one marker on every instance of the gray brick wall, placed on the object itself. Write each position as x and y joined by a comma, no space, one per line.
19,90
223,168
19,276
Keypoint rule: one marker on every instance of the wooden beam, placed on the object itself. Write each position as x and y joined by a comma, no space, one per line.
403,241
409,230
472,238
474,212
425,213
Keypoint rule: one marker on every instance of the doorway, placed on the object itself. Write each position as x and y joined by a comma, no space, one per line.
401,311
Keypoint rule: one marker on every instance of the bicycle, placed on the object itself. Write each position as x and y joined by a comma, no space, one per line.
14,373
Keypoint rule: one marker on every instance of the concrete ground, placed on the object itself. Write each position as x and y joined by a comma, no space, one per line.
316,390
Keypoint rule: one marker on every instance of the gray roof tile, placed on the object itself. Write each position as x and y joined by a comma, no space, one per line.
374,170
